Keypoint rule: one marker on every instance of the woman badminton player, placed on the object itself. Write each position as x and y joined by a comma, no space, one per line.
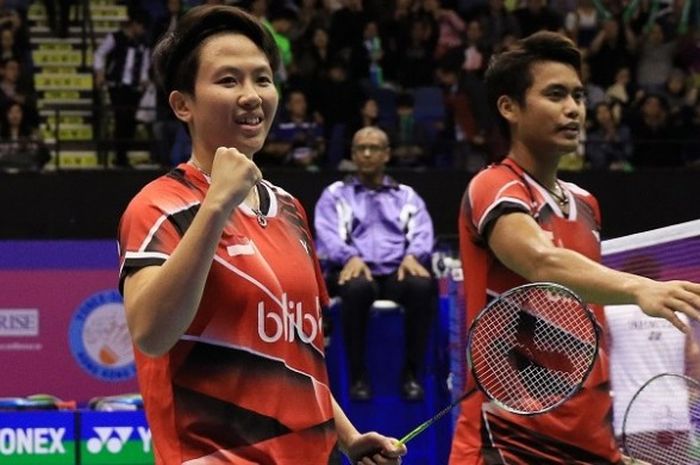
520,223
221,284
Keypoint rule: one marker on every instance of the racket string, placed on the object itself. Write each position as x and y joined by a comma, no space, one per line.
532,350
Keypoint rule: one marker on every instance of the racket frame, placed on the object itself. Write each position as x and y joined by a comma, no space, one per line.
625,449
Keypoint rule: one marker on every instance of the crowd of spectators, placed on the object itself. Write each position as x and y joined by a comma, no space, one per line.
21,147
415,68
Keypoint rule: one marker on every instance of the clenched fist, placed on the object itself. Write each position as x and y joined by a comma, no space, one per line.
233,175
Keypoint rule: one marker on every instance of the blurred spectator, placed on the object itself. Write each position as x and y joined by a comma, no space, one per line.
313,58
508,42
476,51
312,14
8,47
594,93
611,50
582,24
450,27
462,132
280,23
10,18
536,16
21,147
689,54
168,22
337,96
393,31
296,139
257,8
416,64
657,143
366,57
655,60
496,22
608,143
165,127
347,24
622,92
122,63
367,115
15,87
671,17
409,139
563,7
680,94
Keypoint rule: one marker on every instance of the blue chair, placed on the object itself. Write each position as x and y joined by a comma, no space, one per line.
386,101
335,149
429,106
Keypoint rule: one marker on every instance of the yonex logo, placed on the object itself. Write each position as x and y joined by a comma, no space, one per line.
32,441
106,439
113,439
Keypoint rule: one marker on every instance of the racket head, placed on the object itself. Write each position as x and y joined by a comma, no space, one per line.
533,347
659,426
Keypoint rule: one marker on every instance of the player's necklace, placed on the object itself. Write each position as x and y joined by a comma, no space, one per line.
561,197
262,219
259,215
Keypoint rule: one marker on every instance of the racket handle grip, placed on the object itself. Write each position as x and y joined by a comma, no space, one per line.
369,453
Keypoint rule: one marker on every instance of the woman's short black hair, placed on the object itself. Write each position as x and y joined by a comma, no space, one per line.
176,56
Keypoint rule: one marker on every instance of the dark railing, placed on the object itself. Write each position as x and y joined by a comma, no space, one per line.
88,203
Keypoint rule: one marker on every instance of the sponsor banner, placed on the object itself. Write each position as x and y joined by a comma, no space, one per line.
99,338
62,325
31,438
115,438
19,322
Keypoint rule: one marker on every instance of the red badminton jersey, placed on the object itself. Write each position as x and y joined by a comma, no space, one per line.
247,382
579,431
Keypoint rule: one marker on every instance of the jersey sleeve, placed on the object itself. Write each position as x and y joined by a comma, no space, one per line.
148,234
493,193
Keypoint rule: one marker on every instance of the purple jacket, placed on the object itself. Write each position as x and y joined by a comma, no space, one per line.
381,226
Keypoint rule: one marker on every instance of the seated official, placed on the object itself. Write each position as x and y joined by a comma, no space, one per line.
376,237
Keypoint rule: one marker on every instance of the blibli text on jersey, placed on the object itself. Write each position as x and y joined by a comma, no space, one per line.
288,321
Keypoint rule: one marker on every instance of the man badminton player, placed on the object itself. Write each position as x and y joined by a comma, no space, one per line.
221,284
520,223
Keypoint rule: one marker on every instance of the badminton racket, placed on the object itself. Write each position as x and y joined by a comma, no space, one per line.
529,350
660,423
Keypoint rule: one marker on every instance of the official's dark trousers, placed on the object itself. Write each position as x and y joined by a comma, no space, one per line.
415,294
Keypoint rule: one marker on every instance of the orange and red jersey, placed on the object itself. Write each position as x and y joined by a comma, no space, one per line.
247,382
579,431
